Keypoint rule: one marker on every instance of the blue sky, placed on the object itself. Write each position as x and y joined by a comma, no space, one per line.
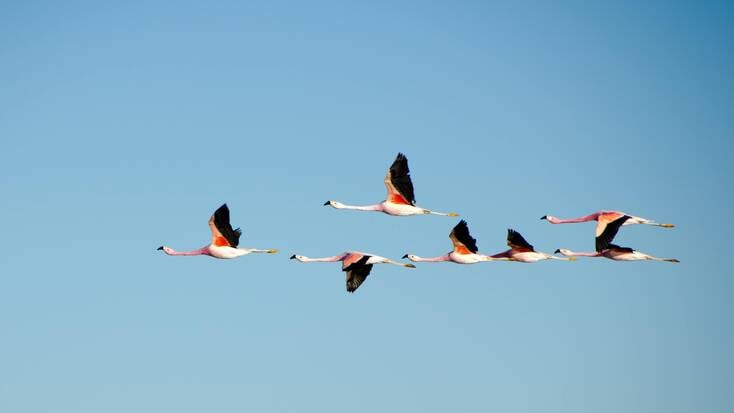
124,126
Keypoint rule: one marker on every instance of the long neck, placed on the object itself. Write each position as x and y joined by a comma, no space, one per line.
553,257
581,254
200,251
592,217
325,259
501,255
442,258
375,207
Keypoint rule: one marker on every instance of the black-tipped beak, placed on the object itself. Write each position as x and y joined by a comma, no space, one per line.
558,251
405,256
544,217
327,203
160,248
293,257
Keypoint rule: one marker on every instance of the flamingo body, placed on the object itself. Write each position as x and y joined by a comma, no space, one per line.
400,194
521,250
357,265
465,248
605,248
603,218
225,240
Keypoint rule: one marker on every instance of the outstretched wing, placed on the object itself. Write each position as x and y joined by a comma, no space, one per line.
357,272
222,233
604,240
462,240
398,183
517,242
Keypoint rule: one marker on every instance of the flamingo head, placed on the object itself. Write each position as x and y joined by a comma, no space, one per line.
410,257
297,257
563,251
164,249
334,204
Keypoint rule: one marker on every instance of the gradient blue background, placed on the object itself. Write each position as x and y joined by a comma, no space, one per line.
124,126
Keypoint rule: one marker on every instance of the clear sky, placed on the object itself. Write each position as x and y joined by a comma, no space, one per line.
124,125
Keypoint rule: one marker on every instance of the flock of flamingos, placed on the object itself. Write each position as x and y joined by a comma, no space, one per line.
401,201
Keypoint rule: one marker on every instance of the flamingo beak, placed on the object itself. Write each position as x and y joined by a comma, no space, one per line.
293,256
160,248
327,203
405,256
544,217
557,251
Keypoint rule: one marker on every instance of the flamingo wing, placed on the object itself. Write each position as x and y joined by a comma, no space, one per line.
604,240
604,219
462,239
619,249
517,242
222,233
356,272
398,183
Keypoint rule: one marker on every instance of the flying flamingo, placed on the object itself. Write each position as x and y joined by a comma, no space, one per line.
465,249
224,239
605,248
357,265
400,197
520,250
603,218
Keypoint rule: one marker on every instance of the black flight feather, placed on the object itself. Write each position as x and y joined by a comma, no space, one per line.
461,233
514,240
400,178
357,272
221,221
604,240
618,248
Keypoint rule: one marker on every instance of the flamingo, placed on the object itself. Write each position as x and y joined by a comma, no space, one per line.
603,218
400,197
465,249
521,250
356,264
605,248
224,239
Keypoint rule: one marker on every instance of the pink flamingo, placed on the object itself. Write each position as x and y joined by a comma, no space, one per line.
224,239
603,218
521,250
400,197
605,248
465,249
356,264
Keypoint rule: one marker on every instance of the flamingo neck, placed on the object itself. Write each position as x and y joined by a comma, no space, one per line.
375,207
200,251
325,259
580,254
505,254
554,220
434,259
